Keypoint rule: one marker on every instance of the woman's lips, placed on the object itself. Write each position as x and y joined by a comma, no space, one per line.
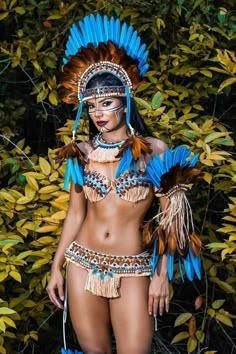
101,123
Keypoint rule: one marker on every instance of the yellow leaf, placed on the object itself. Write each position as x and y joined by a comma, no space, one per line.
47,228
28,303
29,192
180,336
60,205
45,166
15,275
224,319
2,350
8,321
207,73
217,304
24,200
211,312
60,215
214,136
200,336
46,240
215,157
184,317
7,196
35,175
32,182
53,98
6,311
226,83
207,177
207,162
192,344
2,326
3,15
45,196
39,263
48,189
3,276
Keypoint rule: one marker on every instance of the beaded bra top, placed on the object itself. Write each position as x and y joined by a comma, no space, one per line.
130,186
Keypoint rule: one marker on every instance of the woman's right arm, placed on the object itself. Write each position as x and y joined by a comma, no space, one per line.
74,219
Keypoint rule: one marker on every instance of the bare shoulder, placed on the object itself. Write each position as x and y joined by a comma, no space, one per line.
158,146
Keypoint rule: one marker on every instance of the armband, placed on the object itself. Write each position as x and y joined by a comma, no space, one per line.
172,176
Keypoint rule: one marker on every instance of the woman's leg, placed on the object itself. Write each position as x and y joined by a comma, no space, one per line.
89,314
132,324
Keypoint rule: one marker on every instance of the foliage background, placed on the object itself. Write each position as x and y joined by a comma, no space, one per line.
188,97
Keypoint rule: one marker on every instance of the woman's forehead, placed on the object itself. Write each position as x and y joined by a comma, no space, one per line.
102,99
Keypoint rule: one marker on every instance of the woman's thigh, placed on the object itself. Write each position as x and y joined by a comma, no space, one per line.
89,314
131,322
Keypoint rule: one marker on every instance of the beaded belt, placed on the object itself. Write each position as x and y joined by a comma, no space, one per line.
105,271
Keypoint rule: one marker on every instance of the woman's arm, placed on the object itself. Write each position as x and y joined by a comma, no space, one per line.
74,219
159,298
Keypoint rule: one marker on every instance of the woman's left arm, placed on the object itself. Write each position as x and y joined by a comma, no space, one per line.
159,297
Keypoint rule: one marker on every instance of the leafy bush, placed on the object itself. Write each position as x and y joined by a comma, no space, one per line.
187,97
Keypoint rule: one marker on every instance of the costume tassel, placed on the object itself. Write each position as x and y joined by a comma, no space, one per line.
155,258
103,284
70,351
125,162
74,172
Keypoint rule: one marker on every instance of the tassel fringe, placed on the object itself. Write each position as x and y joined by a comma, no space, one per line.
101,284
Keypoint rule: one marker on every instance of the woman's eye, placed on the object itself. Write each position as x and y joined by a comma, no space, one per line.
107,103
90,106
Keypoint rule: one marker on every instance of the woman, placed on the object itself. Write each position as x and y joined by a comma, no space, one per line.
108,273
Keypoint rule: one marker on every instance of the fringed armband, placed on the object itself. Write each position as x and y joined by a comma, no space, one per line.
74,165
172,176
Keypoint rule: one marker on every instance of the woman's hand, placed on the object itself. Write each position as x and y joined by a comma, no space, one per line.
158,294
55,288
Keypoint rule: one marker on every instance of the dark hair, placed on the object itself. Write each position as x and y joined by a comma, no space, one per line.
108,79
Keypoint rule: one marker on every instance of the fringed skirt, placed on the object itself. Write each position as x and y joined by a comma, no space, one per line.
105,271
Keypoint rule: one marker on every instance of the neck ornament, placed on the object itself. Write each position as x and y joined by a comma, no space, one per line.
104,151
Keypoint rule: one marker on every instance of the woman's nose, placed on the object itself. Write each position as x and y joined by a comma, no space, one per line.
98,113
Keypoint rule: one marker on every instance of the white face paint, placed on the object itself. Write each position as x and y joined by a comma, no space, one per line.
106,113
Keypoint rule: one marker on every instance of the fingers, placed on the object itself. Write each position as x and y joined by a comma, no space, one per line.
56,293
157,304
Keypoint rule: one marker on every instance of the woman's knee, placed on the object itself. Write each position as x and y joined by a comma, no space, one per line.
90,349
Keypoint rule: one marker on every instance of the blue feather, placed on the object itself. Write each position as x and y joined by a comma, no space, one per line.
178,154
136,48
112,29
132,43
117,32
125,162
79,173
194,160
154,177
69,351
188,267
93,25
128,37
123,35
141,52
67,175
155,257
196,262
106,28
100,28
88,30
167,160
143,68
170,266
70,47
76,36
185,156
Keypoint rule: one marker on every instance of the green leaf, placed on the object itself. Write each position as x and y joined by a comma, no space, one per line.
226,83
143,103
217,304
214,136
157,100
3,15
6,311
20,10
180,336
224,319
192,344
184,317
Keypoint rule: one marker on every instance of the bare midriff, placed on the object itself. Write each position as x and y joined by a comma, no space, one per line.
112,225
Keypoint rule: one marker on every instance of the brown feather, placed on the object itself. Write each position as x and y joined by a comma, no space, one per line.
161,241
147,234
195,244
138,146
172,243
70,150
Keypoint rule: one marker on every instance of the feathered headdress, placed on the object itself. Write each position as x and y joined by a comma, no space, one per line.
98,44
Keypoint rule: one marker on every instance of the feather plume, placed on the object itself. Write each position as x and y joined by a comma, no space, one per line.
161,241
195,244
70,150
138,147
172,243
147,234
